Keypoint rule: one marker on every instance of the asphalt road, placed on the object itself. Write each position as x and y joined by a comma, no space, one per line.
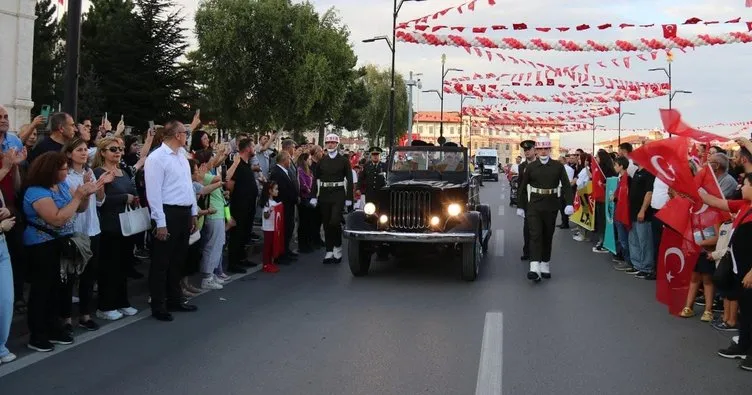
415,329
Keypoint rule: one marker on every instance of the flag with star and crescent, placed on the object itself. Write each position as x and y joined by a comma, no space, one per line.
677,257
668,160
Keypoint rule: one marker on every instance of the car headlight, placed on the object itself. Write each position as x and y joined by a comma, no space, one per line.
369,208
383,219
435,221
454,209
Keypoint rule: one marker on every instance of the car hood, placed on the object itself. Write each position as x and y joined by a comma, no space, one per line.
433,184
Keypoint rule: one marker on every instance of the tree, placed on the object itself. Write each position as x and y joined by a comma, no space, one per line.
273,64
376,114
46,40
356,101
90,98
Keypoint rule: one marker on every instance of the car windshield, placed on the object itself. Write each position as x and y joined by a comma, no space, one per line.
486,160
441,161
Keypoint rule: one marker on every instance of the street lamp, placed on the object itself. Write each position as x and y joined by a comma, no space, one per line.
411,83
444,73
594,126
671,92
621,114
462,123
397,7
441,98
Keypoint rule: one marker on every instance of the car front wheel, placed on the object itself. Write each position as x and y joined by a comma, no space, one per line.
471,256
358,257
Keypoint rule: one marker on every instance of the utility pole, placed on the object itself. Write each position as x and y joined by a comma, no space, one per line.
411,83
72,51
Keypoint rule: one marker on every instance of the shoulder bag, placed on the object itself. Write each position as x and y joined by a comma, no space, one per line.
723,277
134,221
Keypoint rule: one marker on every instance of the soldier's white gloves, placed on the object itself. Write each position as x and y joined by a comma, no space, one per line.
521,212
569,210
314,201
348,203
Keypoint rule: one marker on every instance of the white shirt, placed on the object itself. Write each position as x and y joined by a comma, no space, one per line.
570,172
88,221
515,169
632,168
267,224
582,178
168,181
660,194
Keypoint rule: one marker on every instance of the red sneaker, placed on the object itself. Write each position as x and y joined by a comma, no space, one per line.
270,268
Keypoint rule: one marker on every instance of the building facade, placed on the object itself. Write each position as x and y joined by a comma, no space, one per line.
636,140
17,32
474,133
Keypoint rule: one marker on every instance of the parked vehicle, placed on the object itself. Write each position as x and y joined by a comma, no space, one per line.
490,159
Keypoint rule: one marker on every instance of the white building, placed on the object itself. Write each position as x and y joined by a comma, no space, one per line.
16,44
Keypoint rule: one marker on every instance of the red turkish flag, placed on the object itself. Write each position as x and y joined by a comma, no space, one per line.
704,216
278,212
667,159
676,215
673,124
669,31
621,213
599,182
677,257
748,3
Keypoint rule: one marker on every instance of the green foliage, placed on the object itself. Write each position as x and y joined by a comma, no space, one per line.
376,114
273,64
46,39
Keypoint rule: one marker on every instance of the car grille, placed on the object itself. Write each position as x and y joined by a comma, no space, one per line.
409,210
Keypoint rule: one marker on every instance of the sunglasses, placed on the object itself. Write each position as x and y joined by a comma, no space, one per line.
115,149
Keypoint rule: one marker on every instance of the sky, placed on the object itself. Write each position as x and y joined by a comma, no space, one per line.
717,76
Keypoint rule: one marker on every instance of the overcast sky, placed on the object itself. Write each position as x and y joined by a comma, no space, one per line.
718,76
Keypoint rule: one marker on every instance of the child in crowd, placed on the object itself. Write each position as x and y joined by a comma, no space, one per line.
703,274
267,201
727,322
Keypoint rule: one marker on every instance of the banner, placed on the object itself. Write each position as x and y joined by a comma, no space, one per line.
584,208
279,230
609,241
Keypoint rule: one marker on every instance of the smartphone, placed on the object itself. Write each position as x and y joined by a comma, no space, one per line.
45,111
105,115
151,124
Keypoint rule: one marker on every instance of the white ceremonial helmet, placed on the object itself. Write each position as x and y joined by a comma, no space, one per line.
542,142
331,138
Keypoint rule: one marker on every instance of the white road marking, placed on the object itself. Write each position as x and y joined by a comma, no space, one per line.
490,369
501,210
499,243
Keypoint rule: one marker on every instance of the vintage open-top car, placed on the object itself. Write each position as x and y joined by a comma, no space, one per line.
429,202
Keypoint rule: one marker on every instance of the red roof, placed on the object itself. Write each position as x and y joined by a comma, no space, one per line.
435,116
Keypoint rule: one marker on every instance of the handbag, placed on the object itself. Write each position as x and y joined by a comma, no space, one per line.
133,221
68,250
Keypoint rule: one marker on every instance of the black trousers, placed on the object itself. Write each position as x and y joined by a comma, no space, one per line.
88,278
289,223
745,319
657,228
542,225
240,233
525,237
307,231
115,260
168,258
47,291
331,218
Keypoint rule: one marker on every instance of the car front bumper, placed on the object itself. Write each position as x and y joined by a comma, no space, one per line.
386,236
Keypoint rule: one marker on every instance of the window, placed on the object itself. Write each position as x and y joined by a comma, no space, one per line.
430,130
507,160
420,129
507,147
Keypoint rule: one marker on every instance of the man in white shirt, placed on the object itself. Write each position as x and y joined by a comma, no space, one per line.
172,201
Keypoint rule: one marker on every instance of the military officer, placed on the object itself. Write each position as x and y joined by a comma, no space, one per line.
528,149
335,191
539,204
371,180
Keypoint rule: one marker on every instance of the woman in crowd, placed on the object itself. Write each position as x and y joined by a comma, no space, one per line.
6,283
581,181
86,223
306,212
115,248
49,206
741,250
606,165
213,231
200,140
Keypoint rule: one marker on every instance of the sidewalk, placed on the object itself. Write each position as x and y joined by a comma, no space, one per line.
138,292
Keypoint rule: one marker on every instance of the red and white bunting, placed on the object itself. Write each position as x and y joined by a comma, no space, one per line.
538,44
492,91
461,9
539,119
548,78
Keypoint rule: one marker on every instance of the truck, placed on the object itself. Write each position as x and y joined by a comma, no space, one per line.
490,159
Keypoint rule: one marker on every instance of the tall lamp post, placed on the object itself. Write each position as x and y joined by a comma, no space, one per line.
444,73
595,126
621,114
396,10
671,91
72,50
462,123
441,139
411,83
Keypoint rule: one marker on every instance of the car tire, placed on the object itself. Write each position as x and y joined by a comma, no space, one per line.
496,178
358,257
471,256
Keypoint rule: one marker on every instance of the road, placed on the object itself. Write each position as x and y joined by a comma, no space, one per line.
314,329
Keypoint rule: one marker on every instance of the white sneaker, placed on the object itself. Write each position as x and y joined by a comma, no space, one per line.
129,311
545,270
210,283
218,280
337,252
111,315
8,358
75,300
579,237
735,339
534,273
